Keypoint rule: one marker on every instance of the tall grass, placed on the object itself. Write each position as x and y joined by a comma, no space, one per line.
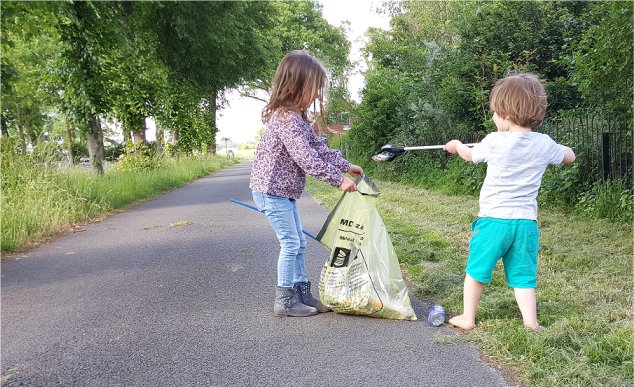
612,199
39,199
584,292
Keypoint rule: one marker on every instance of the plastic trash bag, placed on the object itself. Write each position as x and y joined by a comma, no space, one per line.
362,275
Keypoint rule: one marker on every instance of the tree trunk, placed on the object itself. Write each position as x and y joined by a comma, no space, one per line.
138,131
174,142
94,138
213,107
33,138
18,124
3,126
126,131
159,142
71,157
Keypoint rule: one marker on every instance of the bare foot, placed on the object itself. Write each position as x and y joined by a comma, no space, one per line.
535,328
461,322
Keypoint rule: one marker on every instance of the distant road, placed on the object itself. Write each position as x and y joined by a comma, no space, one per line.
178,291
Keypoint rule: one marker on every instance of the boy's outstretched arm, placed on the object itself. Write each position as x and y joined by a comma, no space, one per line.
456,146
569,156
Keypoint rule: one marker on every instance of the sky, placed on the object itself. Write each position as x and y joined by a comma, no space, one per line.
240,120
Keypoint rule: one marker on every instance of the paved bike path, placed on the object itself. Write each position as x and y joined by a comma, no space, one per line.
178,291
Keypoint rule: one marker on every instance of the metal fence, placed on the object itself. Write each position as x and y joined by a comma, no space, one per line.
602,143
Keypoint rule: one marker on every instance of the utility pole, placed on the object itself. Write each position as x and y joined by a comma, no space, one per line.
226,140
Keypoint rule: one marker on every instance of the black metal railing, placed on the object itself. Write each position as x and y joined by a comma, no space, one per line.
602,143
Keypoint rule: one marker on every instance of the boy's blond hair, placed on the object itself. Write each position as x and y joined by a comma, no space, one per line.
299,79
520,98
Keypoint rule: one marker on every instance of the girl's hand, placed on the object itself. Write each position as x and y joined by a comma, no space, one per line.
348,185
355,171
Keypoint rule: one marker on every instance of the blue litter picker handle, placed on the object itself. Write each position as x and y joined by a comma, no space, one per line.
256,209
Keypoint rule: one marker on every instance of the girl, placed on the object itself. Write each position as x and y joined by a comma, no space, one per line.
288,149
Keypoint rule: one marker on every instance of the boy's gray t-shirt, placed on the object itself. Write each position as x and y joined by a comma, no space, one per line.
516,162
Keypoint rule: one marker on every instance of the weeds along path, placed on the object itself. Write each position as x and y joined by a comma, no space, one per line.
585,286
41,200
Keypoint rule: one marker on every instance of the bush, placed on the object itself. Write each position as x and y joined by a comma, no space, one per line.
80,150
608,199
138,157
561,186
114,152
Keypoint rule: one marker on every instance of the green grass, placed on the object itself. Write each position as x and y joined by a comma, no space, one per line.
39,201
584,290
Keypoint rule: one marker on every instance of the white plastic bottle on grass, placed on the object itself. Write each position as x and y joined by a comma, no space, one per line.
436,316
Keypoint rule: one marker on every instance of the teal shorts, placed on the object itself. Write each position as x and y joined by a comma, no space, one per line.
515,241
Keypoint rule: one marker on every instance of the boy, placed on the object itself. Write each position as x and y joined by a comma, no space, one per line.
506,226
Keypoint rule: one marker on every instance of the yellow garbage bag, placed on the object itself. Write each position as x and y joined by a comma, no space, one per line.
362,275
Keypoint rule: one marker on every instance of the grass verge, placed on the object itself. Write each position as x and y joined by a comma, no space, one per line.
39,202
584,290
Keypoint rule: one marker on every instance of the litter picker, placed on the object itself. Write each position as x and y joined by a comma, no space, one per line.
256,209
390,152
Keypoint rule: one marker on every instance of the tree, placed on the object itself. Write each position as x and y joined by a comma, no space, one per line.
602,62
28,41
77,63
300,25
442,59
142,80
212,46
89,34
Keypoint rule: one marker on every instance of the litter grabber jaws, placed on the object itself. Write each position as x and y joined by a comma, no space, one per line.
390,152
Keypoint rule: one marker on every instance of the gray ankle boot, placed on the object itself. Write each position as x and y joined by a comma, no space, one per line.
288,304
303,290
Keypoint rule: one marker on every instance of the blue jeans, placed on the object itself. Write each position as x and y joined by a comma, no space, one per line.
284,218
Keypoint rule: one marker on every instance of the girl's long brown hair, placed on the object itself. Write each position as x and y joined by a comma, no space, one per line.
299,80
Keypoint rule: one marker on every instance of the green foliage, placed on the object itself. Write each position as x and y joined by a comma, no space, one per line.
300,25
190,34
561,186
430,76
115,151
463,177
76,62
602,60
611,199
34,200
142,82
29,42
89,34
138,157
80,150
377,115
208,47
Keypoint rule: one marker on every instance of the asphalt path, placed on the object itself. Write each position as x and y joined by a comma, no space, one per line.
178,291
